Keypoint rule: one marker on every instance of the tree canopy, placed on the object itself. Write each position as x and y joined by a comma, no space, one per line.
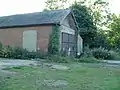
84,19
92,17
55,4
114,31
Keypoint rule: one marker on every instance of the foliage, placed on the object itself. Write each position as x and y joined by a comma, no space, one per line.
17,53
114,32
115,55
87,57
36,55
53,47
88,60
101,41
60,59
83,17
90,18
20,53
1,46
55,4
87,52
100,12
101,53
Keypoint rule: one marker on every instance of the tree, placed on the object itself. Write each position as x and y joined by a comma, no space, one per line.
114,33
92,17
55,4
101,40
83,17
89,16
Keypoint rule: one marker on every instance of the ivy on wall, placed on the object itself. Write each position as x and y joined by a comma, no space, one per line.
54,42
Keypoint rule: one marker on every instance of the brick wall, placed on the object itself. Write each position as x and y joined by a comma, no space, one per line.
14,36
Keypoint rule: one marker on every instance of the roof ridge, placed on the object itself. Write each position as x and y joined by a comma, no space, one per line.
36,12
36,18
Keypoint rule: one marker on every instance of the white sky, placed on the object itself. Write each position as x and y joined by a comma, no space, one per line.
10,7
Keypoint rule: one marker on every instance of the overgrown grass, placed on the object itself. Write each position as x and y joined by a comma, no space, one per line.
88,60
83,78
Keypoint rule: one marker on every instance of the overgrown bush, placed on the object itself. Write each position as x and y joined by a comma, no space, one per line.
101,53
88,60
87,52
1,46
1,50
16,52
60,59
35,55
8,52
115,55
53,47
19,53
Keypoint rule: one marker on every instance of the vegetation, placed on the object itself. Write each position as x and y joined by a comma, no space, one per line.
78,78
89,17
102,44
98,27
101,54
60,59
20,53
99,44
87,29
88,60
114,31
53,47
55,4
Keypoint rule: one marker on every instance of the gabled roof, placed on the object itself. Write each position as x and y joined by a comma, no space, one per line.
37,18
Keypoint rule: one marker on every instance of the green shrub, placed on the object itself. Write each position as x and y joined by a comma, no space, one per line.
7,52
101,53
114,55
35,55
1,46
53,47
60,59
20,53
1,50
1,53
87,52
88,60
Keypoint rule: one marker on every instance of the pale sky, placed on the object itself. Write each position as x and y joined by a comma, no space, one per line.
10,7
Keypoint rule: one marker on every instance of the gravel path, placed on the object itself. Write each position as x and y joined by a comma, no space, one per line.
112,61
16,62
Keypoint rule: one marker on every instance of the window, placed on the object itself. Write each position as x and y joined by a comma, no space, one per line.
68,43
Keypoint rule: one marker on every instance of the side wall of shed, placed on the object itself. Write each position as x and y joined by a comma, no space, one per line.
68,26
14,36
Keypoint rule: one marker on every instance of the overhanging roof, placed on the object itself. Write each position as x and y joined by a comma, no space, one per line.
37,18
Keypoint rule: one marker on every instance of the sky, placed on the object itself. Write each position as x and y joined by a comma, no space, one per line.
10,7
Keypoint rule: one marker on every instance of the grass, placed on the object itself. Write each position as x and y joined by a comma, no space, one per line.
83,78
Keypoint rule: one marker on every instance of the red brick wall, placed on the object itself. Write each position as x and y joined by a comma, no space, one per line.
13,36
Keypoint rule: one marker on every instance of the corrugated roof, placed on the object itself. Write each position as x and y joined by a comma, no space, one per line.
37,18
